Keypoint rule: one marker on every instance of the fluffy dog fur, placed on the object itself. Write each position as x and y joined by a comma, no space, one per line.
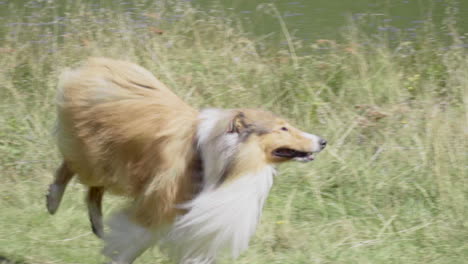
197,180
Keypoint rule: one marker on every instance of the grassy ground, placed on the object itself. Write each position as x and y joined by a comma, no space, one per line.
391,186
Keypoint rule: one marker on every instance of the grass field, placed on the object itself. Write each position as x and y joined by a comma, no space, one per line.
391,187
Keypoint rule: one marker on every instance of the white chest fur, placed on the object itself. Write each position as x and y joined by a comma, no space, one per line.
221,219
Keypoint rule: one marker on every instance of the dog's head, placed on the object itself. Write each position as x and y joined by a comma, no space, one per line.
278,140
238,141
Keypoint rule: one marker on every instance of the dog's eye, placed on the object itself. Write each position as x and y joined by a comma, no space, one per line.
284,128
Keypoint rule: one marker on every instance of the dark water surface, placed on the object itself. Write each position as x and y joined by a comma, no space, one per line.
312,20
309,20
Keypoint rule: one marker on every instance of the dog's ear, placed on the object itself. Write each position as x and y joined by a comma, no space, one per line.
238,124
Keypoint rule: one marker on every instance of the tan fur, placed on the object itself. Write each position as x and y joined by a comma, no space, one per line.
123,131
120,130
136,140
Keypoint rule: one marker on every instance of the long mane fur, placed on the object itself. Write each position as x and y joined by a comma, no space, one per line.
213,225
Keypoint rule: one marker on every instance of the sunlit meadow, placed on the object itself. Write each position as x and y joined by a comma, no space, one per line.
391,187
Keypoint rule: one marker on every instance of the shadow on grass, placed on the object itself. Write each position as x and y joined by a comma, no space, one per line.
5,260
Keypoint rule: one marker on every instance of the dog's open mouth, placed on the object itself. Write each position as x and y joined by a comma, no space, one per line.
294,154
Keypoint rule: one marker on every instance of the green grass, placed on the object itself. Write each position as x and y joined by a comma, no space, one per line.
391,186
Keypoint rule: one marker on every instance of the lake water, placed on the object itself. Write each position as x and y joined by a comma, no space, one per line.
309,20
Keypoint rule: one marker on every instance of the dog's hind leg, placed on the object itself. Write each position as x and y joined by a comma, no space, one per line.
63,175
94,203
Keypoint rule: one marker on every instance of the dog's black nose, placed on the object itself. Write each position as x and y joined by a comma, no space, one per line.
323,143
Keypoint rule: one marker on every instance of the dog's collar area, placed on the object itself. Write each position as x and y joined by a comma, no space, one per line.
198,173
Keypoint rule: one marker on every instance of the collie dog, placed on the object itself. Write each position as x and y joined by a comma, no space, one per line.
196,180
